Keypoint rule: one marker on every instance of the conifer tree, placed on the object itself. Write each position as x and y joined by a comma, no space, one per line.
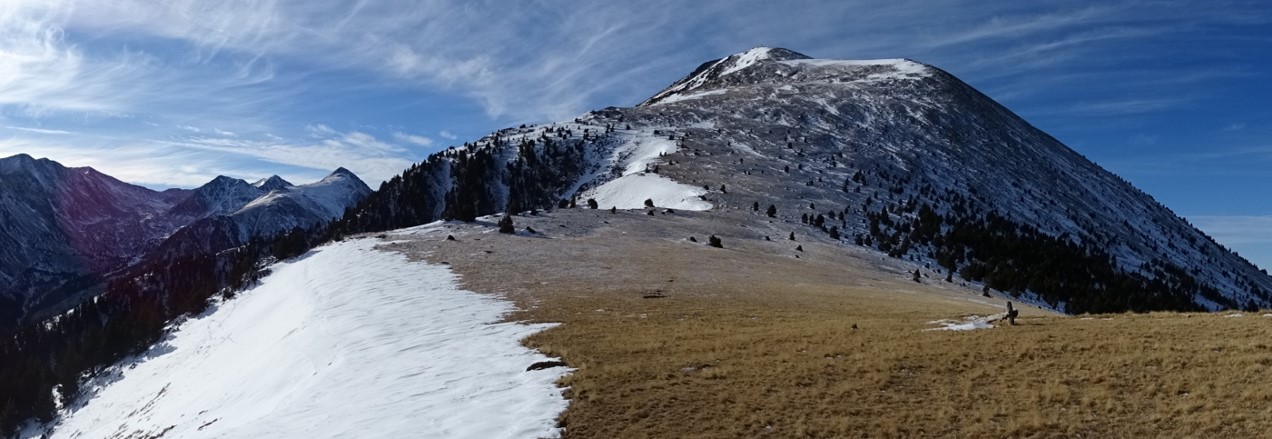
714,241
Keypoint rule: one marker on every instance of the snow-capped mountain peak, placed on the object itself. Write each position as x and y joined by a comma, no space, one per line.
746,59
303,205
273,183
768,66
708,75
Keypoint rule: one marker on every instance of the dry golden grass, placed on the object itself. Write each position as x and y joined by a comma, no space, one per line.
750,342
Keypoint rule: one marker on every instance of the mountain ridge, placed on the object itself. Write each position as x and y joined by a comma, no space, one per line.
64,226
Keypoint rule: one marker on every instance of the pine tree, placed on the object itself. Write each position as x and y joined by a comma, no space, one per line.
591,203
714,241
772,211
505,225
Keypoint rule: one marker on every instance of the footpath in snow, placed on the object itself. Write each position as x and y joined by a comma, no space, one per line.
347,341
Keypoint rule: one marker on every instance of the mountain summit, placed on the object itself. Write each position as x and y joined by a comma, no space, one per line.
893,154
767,66
273,183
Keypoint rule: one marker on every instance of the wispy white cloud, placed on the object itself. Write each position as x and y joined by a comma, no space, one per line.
523,61
1233,127
1237,229
1024,25
413,138
1250,235
41,71
191,160
372,159
38,130
244,72
1124,107
1142,139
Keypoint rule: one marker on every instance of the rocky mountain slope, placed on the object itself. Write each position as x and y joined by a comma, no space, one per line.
891,154
62,229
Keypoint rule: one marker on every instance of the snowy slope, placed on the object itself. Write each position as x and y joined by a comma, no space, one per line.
636,156
347,341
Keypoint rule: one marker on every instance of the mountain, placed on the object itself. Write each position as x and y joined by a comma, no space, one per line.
58,224
62,229
221,196
891,154
270,213
301,206
273,183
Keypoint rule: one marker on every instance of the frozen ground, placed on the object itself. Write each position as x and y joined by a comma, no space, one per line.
347,341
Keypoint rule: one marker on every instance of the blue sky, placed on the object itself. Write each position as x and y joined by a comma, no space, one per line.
1172,95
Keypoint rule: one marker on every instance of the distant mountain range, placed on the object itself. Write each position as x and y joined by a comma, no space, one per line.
62,229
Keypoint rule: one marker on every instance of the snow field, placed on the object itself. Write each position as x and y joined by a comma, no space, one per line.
630,190
347,341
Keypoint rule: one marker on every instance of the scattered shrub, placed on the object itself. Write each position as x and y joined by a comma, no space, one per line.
505,225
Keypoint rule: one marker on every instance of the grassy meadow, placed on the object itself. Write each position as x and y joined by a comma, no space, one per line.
749,341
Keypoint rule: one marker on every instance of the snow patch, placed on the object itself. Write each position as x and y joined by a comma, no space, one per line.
631,191
635,185
347,341
637,154
691,96
747,59
971,323
900,68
